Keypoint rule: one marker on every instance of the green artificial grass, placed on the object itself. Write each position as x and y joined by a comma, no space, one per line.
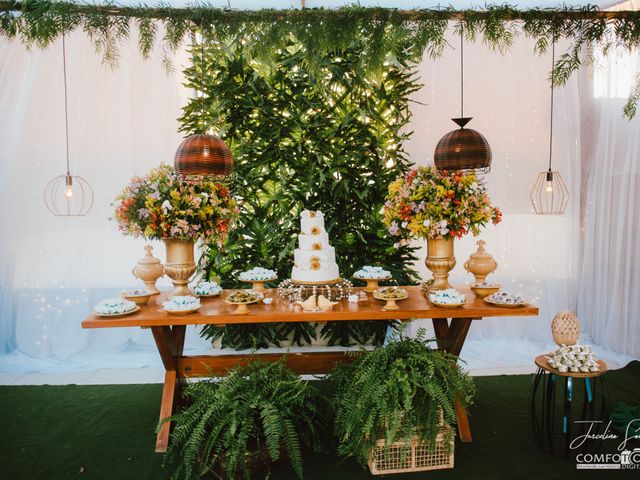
107,432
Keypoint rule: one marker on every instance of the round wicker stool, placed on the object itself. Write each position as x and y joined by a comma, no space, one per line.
553,421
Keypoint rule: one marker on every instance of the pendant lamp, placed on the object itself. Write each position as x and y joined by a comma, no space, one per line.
550,194
68,195
463,149
203,153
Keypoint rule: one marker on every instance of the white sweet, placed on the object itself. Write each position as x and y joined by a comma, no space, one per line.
574,359
267,301
505,298
450,296
314,259
181,303
372,272
207,288
111,306
353,298
258,273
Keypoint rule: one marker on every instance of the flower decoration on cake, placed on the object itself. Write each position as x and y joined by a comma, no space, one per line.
258,274
368,271
426,203
164,204
314,259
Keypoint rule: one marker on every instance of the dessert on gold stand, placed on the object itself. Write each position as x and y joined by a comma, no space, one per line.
149,269
242,298
257,277
391,295
372,275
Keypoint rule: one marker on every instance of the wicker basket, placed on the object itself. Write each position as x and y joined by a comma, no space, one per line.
420,458
565,328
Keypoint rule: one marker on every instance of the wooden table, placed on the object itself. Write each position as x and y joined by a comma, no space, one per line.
169,331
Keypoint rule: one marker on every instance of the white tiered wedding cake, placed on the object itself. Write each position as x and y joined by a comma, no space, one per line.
314,259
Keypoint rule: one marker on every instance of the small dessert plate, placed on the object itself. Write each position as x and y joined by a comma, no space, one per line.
182,312
448,305
121,314
504,299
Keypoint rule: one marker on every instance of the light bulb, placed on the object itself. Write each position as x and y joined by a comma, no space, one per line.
69,192
549,187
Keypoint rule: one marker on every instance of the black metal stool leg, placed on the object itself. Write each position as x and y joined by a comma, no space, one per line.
551,400
566,419
535,421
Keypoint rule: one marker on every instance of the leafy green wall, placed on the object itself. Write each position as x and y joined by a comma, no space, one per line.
329,141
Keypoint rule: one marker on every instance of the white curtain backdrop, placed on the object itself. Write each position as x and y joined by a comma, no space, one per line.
123,122
609,299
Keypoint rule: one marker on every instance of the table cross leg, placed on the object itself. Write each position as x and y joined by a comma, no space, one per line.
170,343
451,337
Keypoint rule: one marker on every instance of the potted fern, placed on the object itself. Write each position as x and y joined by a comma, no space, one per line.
258,414
394,406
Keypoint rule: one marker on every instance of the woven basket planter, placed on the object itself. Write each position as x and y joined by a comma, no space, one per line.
420,458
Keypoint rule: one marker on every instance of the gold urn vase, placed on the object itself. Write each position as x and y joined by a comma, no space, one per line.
440,261
180,264
481,263
148,269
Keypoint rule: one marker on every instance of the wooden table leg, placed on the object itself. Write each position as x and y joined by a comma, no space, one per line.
170,343
451,338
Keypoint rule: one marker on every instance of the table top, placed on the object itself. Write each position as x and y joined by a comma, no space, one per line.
542,362
215,311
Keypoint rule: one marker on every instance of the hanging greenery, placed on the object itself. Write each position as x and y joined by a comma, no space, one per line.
321,31
330,141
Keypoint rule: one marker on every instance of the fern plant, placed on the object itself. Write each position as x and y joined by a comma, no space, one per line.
396,392
261,407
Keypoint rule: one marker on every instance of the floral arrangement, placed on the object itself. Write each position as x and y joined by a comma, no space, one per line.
164,204
426,203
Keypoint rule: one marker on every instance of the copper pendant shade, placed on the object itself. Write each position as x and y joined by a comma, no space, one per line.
463,149
203,154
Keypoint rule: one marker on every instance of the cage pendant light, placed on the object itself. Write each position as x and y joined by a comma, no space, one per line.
203,153
68,195
550,194
463,149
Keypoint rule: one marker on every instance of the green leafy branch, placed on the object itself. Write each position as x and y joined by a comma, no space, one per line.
321,31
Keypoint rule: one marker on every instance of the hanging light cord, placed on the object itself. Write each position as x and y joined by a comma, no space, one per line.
553,62
202,122
66,108
461,72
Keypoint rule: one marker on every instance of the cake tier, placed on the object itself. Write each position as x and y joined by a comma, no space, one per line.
313,242
328,274
312,225
304,258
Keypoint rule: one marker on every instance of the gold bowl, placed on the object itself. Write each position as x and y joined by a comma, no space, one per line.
139,297
485,291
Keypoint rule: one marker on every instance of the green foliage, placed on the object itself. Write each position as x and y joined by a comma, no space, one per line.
322,31
258,407
332,142
396,392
